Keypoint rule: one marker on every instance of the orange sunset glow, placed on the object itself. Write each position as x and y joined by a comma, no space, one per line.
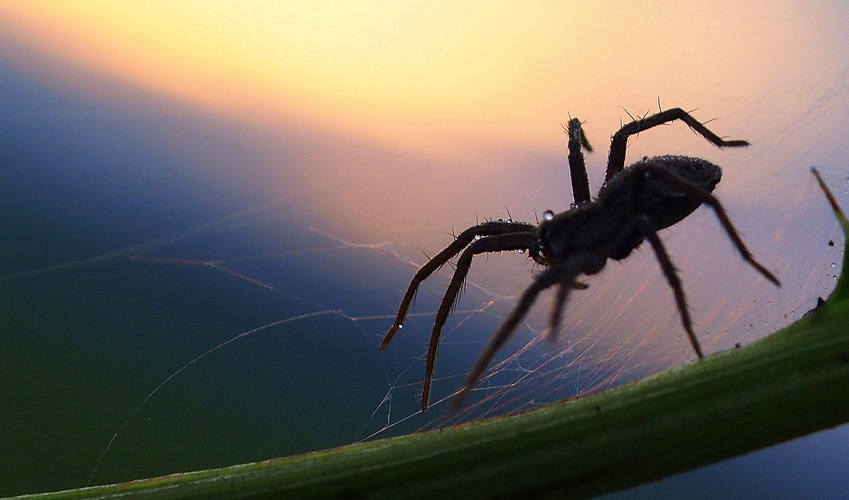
421,76
214,211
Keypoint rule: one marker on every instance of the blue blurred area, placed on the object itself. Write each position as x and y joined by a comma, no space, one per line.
84,178
91,195
813,467
110,215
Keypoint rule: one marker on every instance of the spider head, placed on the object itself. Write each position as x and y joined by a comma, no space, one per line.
565,233
584,233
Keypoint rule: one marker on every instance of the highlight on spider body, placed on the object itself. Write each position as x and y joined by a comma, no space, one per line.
633,204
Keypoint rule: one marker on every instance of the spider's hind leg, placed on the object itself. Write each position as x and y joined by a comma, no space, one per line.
616,159
673,280
706,198
639,171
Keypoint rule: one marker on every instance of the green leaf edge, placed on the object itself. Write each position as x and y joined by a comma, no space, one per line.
789,384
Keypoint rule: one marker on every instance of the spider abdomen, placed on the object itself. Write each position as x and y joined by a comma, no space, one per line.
663,202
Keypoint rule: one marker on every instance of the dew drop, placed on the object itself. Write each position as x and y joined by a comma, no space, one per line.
548,215
521,250
400,326
477,237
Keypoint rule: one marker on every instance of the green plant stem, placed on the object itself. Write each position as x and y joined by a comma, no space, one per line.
787,385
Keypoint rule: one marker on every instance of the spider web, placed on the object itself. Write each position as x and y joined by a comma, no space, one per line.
267,344
622,328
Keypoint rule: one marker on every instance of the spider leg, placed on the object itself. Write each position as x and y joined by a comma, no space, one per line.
560,273
556,316
557,312
544,280
705,197
673,279
577,168
495,243
616,158
460,242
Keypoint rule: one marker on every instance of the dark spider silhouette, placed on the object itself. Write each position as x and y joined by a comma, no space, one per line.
631,206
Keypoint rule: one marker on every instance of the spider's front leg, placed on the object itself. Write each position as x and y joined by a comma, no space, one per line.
493,236
460,242
496,243
616,159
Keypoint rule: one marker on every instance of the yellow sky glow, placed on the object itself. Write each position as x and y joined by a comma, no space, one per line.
369,67
415,75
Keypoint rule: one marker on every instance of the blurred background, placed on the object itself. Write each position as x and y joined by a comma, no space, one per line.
209,213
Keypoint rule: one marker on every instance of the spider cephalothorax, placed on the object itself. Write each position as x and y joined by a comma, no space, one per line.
631,206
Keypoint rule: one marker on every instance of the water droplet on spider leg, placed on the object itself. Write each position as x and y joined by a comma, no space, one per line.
401,325
521,250
477,237
548,215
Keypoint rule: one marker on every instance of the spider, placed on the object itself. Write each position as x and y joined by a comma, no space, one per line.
633,204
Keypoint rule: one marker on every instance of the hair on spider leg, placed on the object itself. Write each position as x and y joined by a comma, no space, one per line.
509,216
632,205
